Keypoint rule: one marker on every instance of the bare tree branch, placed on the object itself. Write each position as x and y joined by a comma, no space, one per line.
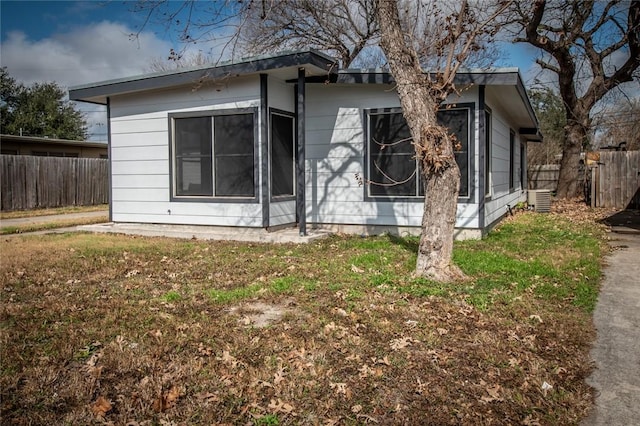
582,38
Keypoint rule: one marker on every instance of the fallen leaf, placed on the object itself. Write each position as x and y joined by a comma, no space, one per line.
279,406
357,270
208,397
384,361
101,407
278,376
401,343
341,312
166,400
536,317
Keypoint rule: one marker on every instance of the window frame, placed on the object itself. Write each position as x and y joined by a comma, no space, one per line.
488,161
211,114
512,160
292,116
523,165
465,199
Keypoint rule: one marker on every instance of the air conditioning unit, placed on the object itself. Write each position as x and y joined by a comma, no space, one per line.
539,200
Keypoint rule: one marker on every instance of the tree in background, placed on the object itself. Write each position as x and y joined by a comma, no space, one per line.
340,28
592,47
620,123
551,114
39,110
174,62
411,35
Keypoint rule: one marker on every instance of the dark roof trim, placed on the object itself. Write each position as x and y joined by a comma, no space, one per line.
492,77
51,141
530,134
175,78
527,103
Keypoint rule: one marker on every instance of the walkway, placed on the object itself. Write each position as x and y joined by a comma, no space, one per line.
616,351
52,218
220,233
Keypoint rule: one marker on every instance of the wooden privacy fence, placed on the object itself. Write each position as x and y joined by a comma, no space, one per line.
37,182
543,177
615,180
546,177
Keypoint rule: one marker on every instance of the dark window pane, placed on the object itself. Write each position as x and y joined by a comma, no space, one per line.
233,145
392,164
233,134
457,121
234,176
393,175
389,133
281,155
391,155
193,156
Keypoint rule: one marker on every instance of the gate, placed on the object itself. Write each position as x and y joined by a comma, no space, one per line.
615,180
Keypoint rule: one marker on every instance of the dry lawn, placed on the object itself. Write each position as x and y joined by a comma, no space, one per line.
104,329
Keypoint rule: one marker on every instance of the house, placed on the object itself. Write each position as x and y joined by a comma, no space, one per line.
51,147
291,140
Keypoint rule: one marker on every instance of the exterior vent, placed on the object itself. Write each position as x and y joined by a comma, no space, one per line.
539,200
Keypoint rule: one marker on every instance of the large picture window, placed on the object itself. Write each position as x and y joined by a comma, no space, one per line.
213,154
282,154
393,170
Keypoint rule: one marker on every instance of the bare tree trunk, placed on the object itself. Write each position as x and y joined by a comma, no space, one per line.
568,184
420,99
438,222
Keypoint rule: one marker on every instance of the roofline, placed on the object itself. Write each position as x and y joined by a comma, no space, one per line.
255,64
485,77
99,92
40,139
489,77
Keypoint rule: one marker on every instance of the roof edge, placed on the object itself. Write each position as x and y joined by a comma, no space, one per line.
42,139
94,91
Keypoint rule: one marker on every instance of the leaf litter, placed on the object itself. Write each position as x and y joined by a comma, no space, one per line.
321,354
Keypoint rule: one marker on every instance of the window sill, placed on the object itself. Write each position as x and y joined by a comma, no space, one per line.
214,200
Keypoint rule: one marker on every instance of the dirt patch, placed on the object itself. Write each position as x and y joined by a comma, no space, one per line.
261,314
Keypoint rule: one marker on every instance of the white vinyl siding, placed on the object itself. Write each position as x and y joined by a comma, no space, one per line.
501,195
335,123
140,154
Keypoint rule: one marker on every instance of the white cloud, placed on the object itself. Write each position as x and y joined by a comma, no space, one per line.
87,54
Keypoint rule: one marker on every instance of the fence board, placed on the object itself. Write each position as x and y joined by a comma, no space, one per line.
37,182
618,185
543,177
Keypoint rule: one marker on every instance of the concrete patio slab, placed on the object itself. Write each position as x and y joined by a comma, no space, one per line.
257,235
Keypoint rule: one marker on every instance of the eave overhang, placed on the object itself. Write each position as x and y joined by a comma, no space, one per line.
314,62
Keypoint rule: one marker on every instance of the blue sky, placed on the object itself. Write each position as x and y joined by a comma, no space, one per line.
79,42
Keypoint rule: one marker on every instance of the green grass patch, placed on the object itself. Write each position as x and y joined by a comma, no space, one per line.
33,227
51,211
171,296
234,294
546,255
